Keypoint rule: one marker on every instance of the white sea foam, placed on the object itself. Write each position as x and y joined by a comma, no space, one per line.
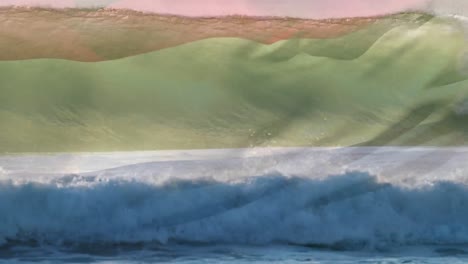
2,171
372,197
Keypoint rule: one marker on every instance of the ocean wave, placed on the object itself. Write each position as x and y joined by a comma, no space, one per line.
347,210
397,81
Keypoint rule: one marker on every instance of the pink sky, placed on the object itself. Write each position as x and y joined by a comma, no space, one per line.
301,8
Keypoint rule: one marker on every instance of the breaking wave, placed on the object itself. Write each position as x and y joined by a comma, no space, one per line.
347,211
398,81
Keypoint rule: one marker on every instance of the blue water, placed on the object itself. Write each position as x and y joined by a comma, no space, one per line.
231,254
284,205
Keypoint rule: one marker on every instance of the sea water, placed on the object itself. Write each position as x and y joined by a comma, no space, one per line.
400,81
288,205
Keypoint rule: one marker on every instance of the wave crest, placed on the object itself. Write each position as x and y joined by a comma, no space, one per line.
350,209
